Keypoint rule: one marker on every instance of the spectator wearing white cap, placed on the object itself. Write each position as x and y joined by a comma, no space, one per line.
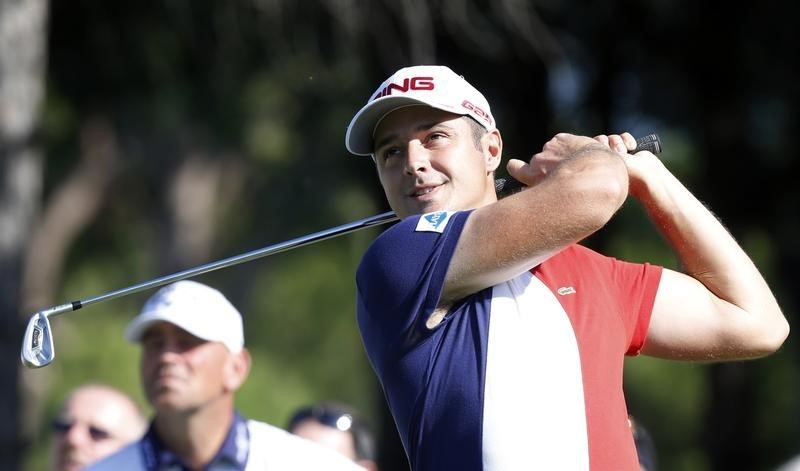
193,361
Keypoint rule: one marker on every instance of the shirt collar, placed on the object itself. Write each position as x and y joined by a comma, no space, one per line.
232,455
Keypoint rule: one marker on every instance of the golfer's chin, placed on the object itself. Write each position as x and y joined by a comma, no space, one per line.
412,205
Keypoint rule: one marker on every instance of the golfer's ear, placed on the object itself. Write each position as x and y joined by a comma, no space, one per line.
492,144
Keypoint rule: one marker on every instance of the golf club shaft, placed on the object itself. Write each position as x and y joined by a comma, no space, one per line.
224,263
503,187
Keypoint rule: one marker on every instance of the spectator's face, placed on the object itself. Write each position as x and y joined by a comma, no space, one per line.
328,436
427,161
181,372
93,424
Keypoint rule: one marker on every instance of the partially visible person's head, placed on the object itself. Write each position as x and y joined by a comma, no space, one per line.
433,139
336,426
645,447
192,348
94,421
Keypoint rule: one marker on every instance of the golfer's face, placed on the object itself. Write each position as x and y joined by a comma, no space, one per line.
180,371
427,161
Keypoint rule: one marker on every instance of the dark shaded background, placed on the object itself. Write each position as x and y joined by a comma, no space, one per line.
174,133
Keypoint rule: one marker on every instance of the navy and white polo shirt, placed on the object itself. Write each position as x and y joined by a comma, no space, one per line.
523,375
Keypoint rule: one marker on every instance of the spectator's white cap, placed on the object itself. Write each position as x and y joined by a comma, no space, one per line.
194,307
433,85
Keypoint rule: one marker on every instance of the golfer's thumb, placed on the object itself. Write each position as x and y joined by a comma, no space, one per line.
520,170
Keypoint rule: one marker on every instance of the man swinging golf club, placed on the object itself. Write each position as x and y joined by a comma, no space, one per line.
498,339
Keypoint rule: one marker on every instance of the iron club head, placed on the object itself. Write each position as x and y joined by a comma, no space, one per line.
37,345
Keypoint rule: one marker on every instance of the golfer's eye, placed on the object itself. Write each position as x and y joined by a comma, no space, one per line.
436,139
390,153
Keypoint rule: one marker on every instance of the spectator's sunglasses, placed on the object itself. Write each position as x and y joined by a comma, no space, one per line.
62,427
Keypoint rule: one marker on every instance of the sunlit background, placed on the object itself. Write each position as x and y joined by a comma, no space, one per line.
140,138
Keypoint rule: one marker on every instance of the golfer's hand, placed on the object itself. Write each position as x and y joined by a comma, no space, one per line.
561,147
644,168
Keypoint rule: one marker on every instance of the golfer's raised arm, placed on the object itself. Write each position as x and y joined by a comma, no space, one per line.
719,307
576,187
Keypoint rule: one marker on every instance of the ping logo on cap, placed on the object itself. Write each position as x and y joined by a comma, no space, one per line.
409,83
433,222
436,86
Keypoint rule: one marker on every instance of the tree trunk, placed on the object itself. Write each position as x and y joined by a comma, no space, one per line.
22,70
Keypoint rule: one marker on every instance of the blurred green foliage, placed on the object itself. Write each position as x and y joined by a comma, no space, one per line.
262,92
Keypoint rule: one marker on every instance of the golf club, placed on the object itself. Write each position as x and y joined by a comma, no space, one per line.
37,345
38,349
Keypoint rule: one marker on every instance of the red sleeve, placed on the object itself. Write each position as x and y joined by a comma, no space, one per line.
637,285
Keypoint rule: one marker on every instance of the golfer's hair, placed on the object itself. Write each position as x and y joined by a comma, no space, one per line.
478,131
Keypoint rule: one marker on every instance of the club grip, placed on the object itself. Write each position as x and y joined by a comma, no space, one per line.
508,185
649,142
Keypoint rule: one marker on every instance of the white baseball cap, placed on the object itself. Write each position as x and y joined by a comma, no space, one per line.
194,307
433,85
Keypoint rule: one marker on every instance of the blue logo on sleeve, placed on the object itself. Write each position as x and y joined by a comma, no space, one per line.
433,222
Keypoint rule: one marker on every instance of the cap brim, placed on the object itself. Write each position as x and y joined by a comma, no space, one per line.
359,138
137,327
